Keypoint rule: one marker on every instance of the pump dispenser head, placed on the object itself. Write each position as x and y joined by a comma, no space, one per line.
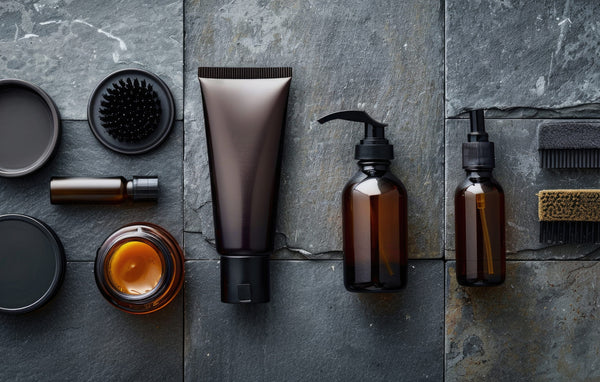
478,152
373,146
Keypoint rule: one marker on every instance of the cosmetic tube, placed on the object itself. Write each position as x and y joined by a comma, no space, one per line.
244,118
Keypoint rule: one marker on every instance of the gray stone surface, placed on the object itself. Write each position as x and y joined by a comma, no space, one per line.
82,228
198,247
313,329
532,54
385,57
79,336
67,47
543,324
518,171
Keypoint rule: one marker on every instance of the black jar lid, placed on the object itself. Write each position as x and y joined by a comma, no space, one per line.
32,263
29,128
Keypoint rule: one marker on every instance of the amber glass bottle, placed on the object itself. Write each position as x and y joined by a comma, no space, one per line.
479,214
374,214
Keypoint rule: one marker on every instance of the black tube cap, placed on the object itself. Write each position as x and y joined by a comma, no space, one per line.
145,188
245,279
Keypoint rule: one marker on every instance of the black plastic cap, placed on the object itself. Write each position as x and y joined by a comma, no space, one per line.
33,264
245,279
478,155
145,188
374,151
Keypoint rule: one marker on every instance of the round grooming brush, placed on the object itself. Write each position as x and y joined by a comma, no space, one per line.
131,111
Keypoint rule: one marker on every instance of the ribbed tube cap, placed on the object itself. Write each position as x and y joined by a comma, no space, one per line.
145,188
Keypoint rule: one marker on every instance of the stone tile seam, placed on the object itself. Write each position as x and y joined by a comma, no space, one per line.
86,120
183,123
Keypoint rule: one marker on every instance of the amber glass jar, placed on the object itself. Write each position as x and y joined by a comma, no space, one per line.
139,268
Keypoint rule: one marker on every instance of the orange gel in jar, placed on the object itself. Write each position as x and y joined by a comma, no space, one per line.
139,268
135,268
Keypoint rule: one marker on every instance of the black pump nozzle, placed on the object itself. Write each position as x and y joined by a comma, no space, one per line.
478,152
477,133
374,146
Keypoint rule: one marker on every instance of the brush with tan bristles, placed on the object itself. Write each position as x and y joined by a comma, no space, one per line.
569,216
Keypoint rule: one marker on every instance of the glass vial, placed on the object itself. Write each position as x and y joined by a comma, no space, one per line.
375,230
69,190
139,268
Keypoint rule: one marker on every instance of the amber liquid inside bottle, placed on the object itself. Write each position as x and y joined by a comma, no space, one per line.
480,236
375,230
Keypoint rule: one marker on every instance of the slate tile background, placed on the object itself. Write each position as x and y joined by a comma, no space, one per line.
415,65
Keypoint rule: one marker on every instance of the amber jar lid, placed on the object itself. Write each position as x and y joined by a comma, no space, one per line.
32,263
139,268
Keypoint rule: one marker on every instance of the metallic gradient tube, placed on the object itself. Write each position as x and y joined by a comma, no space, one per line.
244,115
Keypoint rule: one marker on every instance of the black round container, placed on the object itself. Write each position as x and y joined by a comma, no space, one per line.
29,128
98,101
32,263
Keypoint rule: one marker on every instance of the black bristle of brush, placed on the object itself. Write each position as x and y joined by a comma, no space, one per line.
569,232
569,145
130,110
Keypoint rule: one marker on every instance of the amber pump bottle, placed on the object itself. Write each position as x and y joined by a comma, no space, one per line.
479,213
374,214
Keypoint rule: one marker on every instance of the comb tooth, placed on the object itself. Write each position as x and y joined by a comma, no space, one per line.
570,158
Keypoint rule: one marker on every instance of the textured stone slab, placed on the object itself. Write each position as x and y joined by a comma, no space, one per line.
82,228
79,336
68,47
384,57
198,247
543,324
313,329
531,54
518,171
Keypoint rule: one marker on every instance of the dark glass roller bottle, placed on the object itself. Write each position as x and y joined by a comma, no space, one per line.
479,213
70,190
